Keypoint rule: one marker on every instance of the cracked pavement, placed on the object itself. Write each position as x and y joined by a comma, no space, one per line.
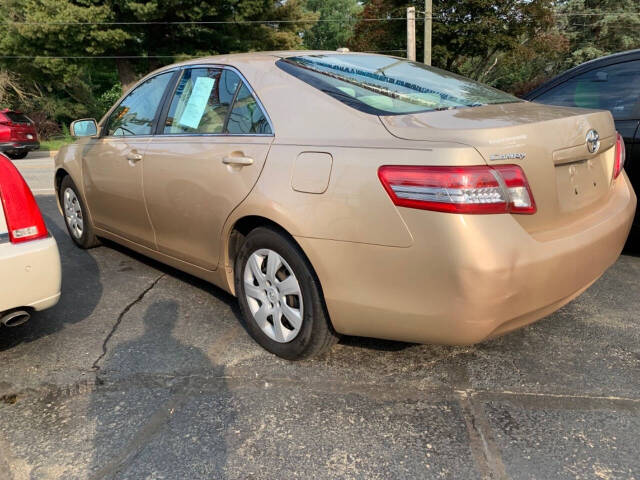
142,372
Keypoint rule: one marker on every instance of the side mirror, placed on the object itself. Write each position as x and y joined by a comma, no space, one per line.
87,127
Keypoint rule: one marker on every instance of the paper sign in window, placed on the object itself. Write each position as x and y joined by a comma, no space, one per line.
197,103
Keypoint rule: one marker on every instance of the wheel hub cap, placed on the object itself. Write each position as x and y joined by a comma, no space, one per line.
273,294
73,213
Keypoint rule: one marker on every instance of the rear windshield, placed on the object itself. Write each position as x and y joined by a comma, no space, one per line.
390,86
16,117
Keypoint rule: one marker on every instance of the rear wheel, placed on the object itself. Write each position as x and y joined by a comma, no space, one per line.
280,298
74,210
17,155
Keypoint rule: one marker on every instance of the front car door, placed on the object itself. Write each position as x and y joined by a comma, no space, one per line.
113,163
212,140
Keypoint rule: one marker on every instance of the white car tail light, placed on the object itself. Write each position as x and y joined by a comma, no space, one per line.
21,211
473,189
620,156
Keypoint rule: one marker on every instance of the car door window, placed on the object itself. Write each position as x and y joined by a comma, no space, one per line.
135,114
246,116
201,101
615,88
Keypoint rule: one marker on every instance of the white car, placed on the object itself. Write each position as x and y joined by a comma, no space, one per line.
30,271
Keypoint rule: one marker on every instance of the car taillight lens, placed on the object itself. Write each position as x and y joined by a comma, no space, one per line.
620,156
21,211
474,189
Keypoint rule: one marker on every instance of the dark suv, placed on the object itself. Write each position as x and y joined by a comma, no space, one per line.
610,83
18,134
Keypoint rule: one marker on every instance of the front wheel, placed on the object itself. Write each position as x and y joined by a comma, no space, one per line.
75,215
18,155
280,298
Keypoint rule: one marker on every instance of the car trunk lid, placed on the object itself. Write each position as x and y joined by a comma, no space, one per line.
549,143
22,129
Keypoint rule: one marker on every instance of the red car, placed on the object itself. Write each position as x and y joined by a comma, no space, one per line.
18,134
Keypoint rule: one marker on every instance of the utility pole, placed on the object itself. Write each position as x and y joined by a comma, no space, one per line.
428,13
411,33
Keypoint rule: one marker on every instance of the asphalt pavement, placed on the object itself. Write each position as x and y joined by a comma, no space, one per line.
143,372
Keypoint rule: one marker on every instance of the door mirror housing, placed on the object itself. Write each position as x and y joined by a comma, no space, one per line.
87,127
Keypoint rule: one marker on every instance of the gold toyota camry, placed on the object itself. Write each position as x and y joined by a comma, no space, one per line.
347,193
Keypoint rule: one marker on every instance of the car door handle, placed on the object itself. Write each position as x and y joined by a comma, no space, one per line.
238,161
134,157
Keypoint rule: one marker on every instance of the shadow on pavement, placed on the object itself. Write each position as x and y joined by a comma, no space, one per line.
81,287
230,300
162,408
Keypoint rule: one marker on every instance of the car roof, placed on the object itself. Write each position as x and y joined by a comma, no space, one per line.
600,62
246,59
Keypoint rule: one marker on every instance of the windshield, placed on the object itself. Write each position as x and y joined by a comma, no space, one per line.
387,86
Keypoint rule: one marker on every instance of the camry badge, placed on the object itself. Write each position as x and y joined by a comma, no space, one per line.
593,141
508,156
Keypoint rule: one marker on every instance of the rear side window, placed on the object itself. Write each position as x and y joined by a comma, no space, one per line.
214,101
385,86
15,117
247,117
135,115
615,88
202,101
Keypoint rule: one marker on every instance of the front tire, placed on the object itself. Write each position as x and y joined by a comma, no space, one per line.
280,298
75,215
17,155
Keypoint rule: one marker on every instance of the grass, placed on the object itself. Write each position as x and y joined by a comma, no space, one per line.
54,143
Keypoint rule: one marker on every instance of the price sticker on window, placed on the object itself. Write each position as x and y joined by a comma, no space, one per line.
195,108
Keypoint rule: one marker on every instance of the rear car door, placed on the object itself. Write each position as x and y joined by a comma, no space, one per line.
212,140
113,163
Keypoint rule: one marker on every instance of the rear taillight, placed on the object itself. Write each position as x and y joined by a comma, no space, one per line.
474,189
21,211
620,156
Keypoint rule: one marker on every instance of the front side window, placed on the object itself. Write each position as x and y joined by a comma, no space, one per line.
615,88
202,101
386,86
135,115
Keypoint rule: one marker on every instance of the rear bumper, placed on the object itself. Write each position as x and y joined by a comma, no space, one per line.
31,275
19,146
466,277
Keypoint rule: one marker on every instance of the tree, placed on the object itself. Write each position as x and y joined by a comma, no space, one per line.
599,27
91,28
334,27
467,35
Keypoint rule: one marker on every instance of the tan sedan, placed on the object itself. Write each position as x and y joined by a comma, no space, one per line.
29,258
353,194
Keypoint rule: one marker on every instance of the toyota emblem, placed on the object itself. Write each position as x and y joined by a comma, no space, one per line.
593,141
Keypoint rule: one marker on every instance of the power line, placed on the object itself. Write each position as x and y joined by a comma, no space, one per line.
137,57
593,14
213,22
103,57
271,22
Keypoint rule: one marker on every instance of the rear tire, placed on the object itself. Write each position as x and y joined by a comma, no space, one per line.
17,156
75,215
288,293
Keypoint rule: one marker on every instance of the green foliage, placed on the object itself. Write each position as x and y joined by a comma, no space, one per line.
510,44
108,98
466,34
67,88
334,29
615,27
513,44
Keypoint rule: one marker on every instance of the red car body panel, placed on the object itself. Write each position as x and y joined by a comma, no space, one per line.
18,134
